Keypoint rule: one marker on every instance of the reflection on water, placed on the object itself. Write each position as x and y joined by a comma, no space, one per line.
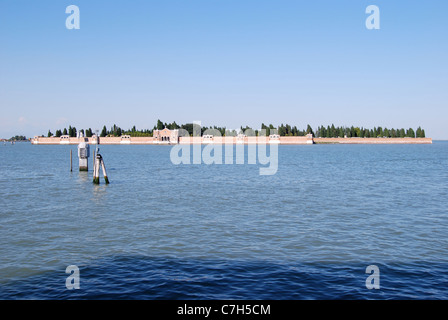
84,177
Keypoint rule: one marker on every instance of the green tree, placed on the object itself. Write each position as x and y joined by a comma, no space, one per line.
174,125
402,133
367,133
309,130
282,130
393,133
295,131
361,132
352,132
380,131
420,133
103,132
264,127
65,132
188,127
333,131
49,134
410,133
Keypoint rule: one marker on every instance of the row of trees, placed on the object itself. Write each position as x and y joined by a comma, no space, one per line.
282,130
18,138
334,132
71,131
114,131
287,130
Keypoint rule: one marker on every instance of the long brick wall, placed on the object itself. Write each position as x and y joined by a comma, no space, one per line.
374,140
295,140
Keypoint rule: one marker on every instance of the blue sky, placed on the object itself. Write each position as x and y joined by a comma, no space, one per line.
223,62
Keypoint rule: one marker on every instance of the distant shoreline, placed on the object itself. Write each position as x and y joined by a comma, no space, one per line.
288,140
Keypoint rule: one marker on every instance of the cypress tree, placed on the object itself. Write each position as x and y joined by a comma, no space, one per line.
103,132
294,131
281,130
309,130
352,132
393,133
380,131
324,132
402,133
333,131
419,132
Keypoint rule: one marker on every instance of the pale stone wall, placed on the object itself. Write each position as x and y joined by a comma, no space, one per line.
142,140
293,140
374,140
110,140
190,140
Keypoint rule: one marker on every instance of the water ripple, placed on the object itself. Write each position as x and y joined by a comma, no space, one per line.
194,231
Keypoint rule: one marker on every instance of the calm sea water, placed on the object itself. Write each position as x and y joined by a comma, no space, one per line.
161,231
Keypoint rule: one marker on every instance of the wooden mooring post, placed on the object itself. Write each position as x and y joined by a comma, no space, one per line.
103,166
71,161
96,170
94,159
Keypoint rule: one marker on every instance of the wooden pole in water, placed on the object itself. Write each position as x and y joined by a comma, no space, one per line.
94,159
71,161
96,170
104,171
